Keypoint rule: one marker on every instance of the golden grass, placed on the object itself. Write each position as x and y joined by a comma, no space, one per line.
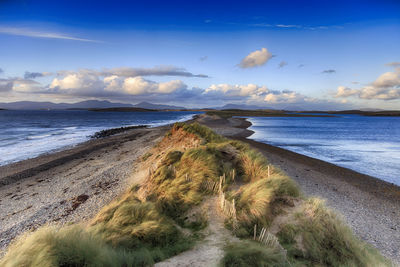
318,236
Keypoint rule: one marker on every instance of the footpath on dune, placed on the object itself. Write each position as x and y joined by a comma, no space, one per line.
209,251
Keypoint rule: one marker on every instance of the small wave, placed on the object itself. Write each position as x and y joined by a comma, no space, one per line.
33,137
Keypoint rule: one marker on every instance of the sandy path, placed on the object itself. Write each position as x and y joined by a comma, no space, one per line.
209,251
73,185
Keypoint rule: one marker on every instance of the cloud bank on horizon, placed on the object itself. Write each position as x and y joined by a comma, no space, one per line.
129,84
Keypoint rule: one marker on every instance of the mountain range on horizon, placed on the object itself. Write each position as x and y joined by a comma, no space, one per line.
92,104
88,104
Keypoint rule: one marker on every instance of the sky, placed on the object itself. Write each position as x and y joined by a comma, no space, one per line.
271,54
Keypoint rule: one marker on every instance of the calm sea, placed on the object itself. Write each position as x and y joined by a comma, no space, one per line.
369,145
27,134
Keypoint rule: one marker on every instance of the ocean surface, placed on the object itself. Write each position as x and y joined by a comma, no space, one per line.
27,134
369,145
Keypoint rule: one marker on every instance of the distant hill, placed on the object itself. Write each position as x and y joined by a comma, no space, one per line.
122,109
31,105
242,107
148,105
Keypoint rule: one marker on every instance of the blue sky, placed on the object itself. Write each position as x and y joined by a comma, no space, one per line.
280,54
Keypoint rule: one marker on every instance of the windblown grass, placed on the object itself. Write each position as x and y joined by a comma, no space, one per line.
201,131
68,246
250,253
318,237
259,202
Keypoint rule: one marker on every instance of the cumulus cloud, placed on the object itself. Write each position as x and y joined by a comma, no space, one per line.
78,82
328,71
254,93
286,96
140,86
282,64
256,58
388,79
343,91
234,91
91,84
19,85
385,87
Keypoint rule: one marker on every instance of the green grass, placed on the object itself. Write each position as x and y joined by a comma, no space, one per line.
318,237
173,194
201,131
258,202
69,246
250,253
146,156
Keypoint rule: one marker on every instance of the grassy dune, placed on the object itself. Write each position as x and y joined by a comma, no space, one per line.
160,218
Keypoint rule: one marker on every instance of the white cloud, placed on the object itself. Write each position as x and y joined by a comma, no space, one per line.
343,91
87,82
81,82
388,79
385,87
256,58
41,34
288,26
19,85
284,97
140,86
371,92
237,90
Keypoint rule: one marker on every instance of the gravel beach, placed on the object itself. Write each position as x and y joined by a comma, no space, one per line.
70,185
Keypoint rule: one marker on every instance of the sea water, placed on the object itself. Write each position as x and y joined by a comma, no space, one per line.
366,144
27,134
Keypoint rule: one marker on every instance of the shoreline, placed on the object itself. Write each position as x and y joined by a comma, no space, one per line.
33,192
70,185
370,206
